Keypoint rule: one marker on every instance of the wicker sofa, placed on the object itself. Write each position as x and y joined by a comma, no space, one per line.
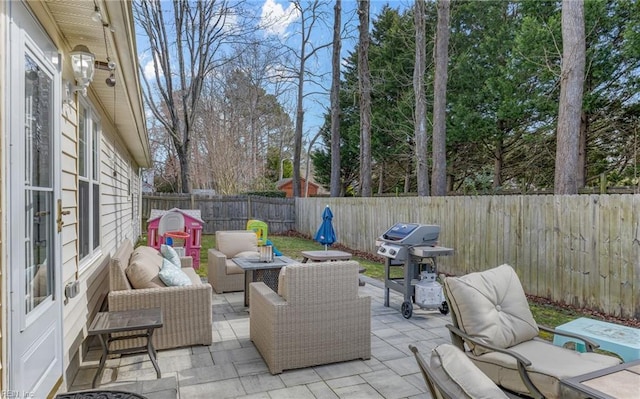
223,274
186,310
317,317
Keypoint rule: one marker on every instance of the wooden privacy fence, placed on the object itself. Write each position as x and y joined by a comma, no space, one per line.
582,250
227,213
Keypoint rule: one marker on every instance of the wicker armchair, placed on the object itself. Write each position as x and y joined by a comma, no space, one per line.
317,317
186,310
223,274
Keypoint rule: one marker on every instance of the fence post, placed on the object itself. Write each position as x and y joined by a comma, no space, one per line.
603,183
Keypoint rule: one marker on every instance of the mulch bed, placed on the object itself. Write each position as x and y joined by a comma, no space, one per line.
538,300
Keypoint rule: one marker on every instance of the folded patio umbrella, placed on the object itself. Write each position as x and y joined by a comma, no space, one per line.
325,234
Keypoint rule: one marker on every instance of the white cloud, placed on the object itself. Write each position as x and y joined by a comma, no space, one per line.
275,19
149,69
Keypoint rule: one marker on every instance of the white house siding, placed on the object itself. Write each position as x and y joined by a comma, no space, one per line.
116,211
3,96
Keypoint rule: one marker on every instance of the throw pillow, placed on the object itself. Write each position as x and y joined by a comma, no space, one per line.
458,373
491,307
143,274
170,254
172,276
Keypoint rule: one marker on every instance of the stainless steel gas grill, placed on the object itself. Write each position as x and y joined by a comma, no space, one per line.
413,247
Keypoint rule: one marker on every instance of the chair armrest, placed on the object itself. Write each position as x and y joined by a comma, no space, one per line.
264,295
522,361
216,267
589,343
465,337
186,261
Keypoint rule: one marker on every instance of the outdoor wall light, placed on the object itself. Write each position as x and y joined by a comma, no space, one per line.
82,63
96,15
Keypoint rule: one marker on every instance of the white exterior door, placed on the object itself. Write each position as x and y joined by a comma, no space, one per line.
33,248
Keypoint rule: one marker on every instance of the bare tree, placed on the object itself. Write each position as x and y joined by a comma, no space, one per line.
420,129
364,79
441,56
311,14
241,124
571,88
335,101
185,43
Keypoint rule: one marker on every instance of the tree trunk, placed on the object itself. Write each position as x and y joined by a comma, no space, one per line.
381,178
184,174
571,87
335,102
441,55
582,151
297,140
364,76
419,127
497,164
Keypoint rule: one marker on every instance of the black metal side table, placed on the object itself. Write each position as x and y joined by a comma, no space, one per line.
100,395
107,323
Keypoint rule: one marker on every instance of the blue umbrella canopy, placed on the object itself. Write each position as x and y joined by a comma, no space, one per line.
325,234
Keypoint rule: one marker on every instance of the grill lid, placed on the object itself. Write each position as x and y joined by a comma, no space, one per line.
399,231
411,234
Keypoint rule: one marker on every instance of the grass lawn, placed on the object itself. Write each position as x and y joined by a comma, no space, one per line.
291,246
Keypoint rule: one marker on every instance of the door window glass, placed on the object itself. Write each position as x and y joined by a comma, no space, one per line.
38,184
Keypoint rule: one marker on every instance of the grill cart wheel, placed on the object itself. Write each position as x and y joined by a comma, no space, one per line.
407,309
444,308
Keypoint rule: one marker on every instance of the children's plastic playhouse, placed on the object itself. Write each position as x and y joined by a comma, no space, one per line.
181,228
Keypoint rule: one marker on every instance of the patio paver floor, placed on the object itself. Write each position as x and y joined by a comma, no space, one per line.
232,367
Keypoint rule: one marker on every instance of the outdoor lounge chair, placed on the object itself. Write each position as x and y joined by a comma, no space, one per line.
451,375
223,274
317,316
491,315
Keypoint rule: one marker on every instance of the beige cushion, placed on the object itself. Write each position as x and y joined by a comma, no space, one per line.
282,285
458,373
248,254
491,307
232,267
143,269
148,251
233,242
550,364
193,276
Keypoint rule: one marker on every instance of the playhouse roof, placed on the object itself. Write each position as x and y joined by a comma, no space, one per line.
190,213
